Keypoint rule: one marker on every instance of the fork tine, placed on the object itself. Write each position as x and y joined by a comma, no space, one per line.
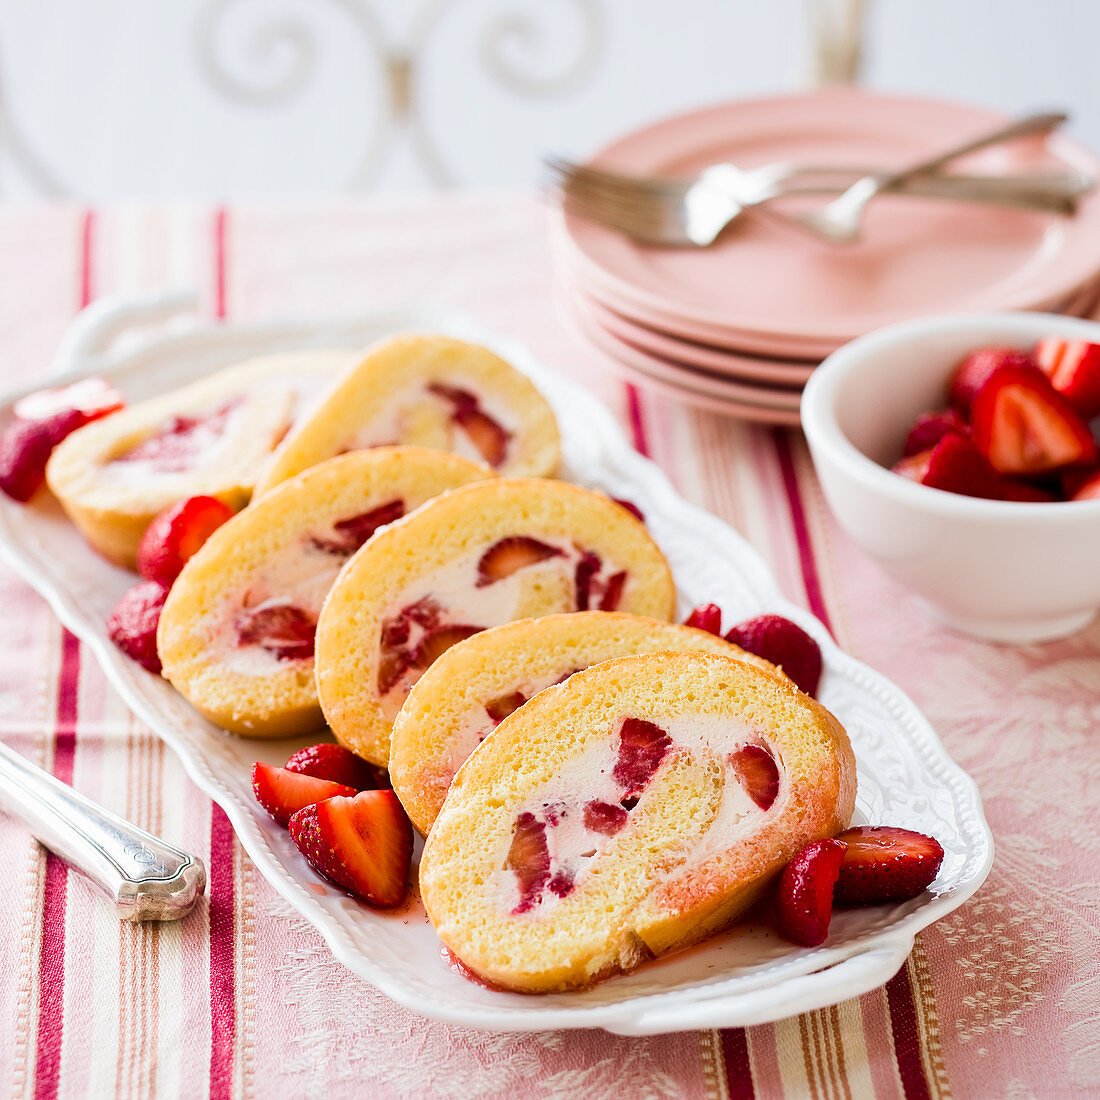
648,227
649,186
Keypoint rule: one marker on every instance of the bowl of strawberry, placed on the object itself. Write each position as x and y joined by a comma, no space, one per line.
960,453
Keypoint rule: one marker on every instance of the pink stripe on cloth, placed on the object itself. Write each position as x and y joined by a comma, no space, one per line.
637,421
810,579
87,285
735,1053
51,967
223,995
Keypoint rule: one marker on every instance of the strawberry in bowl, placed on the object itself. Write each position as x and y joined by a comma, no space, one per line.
999,431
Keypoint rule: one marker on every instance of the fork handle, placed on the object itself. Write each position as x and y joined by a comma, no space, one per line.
146,878
1022,127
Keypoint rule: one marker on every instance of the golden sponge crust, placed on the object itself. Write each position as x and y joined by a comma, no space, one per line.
397,371
455,527
496,663
651,895
283,703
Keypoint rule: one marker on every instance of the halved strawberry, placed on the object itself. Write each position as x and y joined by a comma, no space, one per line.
758,773
785,644
353,532
1014,488
588,565
498,709
603,817
1023,425
505,557
26,446
1073,367
487,435
363,844
338,765
708,617
929,428
613,591
132,625
283,793
642,747
804,902
177,534
954,465
529,857
1088,488
436,642
885,863
978,367
286,632
95,397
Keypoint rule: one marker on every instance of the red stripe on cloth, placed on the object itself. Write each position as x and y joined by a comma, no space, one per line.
637,423
735,1054
87,235
223,1002
810,580
51,961
903,1023
219,263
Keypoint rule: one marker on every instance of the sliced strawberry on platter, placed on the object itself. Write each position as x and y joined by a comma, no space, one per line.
1023,425
954,465
362,843
436,642
95,397
1073,367
338,765
26,446
785,644
283,793
177,534
758,773
804,901
509,555
978,367
286,632
529,857
885,863
929,428
132,625
708,617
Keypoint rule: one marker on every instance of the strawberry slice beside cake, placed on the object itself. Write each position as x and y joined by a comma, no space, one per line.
430,391
637,807
236,636
215,437
484,555
477,683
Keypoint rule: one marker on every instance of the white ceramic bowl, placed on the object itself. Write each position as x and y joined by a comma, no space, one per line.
1001,570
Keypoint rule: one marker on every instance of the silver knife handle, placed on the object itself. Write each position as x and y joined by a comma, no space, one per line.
147,878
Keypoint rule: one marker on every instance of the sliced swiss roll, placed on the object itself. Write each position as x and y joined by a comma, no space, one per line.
214,437
236,635
431,391
513,548
477,683
636,808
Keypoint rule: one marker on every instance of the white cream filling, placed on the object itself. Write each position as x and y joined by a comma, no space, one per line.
589,777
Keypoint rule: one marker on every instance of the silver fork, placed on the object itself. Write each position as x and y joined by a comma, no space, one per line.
671,211
841,220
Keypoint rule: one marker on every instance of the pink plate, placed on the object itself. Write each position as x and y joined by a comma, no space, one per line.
784,372
760,404
765,286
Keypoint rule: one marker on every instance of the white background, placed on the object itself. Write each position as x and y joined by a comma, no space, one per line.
229,98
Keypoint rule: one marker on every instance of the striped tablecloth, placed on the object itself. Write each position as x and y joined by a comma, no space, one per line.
242,999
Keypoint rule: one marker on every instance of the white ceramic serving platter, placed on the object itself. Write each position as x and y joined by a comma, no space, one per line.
742,977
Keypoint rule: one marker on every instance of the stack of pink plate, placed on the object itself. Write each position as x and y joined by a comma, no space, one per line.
738,327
